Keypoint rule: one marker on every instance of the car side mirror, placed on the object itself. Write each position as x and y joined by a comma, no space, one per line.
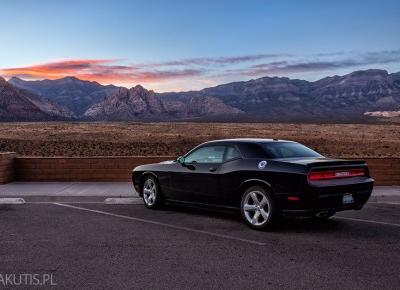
181,160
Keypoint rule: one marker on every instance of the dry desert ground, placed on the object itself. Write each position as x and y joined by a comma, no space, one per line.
130,138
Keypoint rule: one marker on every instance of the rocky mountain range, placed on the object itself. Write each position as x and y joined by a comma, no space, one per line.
20,105
337,98
352,97
71,92
138,103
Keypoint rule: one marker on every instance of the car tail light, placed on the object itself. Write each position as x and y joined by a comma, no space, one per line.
332,174
293,198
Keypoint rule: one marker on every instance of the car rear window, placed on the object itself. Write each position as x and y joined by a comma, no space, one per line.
287,150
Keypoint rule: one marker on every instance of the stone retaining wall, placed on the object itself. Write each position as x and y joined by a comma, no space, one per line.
79,169
7,160
386,171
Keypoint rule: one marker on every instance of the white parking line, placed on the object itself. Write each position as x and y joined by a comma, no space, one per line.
164,224
67,202
367,221
123,200
11,200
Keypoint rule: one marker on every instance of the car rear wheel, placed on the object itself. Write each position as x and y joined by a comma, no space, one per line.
258,208
151,193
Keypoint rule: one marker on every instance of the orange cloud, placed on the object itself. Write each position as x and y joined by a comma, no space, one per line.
100,70
54,69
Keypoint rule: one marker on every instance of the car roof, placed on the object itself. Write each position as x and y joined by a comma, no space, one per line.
245,140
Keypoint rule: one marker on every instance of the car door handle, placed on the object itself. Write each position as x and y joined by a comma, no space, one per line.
213,169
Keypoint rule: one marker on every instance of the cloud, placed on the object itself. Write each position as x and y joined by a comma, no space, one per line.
115,76
100,70
210,61
54,69
290,67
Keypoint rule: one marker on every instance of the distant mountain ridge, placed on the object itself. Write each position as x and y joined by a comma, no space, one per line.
71,92
335,98
20,105
352,97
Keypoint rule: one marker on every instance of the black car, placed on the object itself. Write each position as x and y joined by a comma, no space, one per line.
262,177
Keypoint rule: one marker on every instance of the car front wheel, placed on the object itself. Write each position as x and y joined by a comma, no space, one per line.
151,193
258,208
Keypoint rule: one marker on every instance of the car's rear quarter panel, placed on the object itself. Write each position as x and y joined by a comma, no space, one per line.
236,176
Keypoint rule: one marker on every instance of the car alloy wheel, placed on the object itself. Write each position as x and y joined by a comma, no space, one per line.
257,207
150,192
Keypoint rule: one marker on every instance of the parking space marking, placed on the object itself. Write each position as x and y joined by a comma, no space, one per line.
67,202
11,200
164,225
367,221
123,200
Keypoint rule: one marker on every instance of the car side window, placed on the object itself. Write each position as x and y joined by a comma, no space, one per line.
250,150
208,154
231,153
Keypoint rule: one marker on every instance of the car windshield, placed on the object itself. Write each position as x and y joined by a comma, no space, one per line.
288,150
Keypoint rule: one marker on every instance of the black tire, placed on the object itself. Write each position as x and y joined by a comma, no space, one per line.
151,192
265,211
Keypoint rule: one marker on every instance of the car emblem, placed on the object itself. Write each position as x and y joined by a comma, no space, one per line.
262,164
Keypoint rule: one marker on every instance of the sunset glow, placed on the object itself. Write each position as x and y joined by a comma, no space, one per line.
99,70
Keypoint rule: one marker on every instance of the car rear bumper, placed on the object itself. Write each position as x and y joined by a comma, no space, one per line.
313,212
319,199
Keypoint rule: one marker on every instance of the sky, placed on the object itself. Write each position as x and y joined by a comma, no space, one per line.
188,45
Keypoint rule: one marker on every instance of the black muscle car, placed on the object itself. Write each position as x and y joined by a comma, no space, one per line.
262,177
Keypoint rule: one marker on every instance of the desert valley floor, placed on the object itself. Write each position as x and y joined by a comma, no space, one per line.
147,139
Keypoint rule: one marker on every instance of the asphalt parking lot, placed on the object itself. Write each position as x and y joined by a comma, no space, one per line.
86,243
